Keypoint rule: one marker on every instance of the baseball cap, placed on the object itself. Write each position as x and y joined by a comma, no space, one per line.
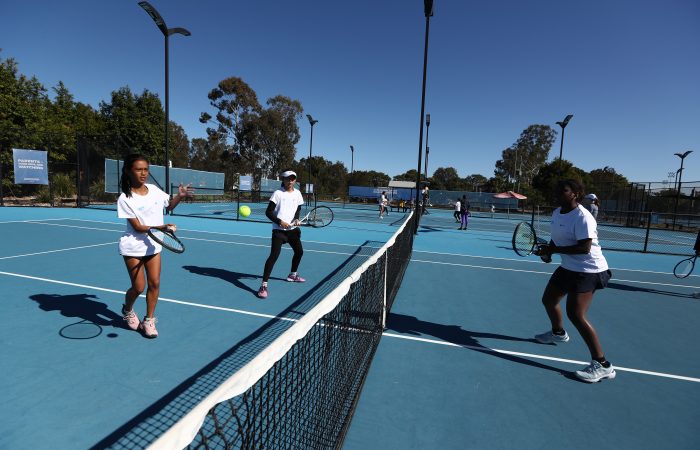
591,197
289,173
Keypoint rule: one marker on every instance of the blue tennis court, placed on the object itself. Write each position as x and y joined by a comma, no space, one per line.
457,366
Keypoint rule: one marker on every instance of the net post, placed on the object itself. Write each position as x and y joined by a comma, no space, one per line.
386,266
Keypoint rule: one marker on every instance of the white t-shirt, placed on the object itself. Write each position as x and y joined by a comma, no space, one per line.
568,229
457,204
286,204
148,209
383,200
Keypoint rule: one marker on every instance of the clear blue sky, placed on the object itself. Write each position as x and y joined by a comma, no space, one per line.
628,70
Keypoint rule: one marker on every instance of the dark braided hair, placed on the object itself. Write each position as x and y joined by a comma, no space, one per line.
126,169
575,186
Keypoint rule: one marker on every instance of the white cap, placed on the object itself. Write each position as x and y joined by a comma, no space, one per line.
289,173
591,197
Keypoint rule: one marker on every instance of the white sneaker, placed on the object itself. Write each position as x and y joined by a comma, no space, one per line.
551,338
595,372
148,327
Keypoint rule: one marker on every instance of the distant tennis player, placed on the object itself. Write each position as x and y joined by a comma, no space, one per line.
142,204
583,270
383,203
284,210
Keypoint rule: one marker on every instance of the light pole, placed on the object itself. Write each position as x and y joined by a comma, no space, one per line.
563,125
352,159
160,23
312,122
427,147
680,181
428,11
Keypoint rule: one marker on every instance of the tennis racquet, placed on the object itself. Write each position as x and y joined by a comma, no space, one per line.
167,239
525,241
685,267
319,217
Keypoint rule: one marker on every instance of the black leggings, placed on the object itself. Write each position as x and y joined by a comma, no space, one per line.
279,237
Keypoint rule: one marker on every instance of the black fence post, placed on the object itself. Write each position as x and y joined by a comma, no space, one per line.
646,238
238,202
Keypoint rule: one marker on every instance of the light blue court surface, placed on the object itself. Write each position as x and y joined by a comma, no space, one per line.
457,367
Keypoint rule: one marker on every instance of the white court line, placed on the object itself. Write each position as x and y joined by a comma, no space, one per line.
533,356
546,273
183,238
535,261
59,250
32,220
167,300
266,237
431,341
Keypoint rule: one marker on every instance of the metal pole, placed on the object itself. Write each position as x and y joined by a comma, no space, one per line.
427,145
678,192
561,144
167,119
428,12
352,159
308,164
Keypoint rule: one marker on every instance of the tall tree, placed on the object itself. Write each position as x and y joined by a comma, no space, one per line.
135,124
369,178
23,107
604,182
277,134
548,177
409,175
236,109
475,182
445,178
179,145
522,160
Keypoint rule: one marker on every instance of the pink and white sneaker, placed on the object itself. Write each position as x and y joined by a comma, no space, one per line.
295,278
262,292
131,319
148,327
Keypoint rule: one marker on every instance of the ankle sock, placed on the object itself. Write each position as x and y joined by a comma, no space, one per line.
603,362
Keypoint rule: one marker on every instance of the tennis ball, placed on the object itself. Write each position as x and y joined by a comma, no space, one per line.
244,210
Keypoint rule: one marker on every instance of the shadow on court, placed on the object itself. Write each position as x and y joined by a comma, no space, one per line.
79,306
465,338
92,315
227,275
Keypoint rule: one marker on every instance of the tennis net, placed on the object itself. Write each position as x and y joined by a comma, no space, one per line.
301,390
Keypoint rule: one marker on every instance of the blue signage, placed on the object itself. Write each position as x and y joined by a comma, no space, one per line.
245,183
30,166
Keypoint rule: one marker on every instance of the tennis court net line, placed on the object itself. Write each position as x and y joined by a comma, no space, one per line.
302,389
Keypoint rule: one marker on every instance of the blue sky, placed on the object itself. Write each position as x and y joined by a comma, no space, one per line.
626,69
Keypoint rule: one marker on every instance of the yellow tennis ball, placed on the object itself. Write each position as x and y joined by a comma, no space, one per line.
244,210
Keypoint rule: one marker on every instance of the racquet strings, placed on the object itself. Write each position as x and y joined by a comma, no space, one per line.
320,217
684,268
167,240
524,240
